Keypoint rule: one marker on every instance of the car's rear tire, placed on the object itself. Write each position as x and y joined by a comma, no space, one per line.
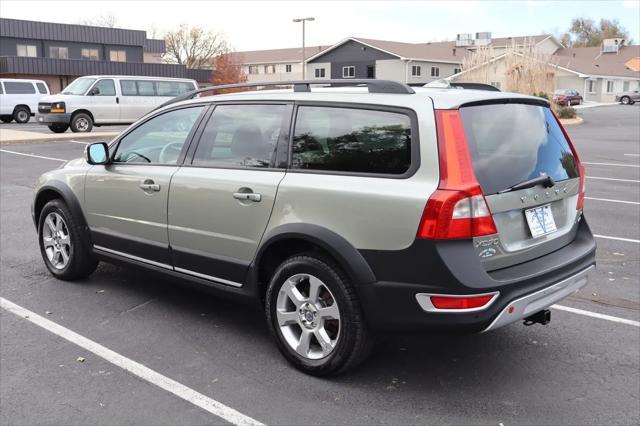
81,123
6,118
58,127
64,243
322,331
21,114
625,100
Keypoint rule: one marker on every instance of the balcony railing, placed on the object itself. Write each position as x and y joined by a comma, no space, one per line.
78,67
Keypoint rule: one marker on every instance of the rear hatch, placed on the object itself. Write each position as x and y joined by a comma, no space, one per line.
529,176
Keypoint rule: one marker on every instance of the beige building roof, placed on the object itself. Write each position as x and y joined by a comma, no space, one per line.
293,54
591,61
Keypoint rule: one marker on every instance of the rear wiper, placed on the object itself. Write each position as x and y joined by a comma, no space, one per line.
546,181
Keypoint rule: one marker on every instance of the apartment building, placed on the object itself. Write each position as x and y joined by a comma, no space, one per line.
275,64
59,53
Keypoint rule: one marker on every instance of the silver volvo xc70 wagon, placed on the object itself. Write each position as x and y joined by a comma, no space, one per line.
343,211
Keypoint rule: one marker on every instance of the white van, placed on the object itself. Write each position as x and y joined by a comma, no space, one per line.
19,98
107,99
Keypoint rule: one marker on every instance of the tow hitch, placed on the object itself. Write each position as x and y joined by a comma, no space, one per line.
542,317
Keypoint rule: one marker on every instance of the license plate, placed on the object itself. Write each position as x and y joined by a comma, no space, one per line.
540,220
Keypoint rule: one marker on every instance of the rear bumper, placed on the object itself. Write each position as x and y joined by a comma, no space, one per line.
535,302
47,119
453,268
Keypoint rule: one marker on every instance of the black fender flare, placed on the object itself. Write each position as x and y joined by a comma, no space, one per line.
69,197
347,256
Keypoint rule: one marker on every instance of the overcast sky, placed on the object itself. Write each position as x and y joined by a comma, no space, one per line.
267,24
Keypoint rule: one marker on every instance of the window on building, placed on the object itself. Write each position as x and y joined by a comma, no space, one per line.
58,52
241,136
351,140
625,86
349,72
609,86
416,70
28,50
287,68
269,69
253,69
591,86
118,56
435,71
91,54
457,70
495,84
319,73
41,88
18,88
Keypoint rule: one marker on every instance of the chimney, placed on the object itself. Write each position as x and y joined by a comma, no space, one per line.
454,51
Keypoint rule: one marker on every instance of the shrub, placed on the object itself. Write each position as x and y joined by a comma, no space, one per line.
565,112
541,95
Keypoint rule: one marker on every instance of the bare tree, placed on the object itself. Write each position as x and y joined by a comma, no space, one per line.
193,46
584,32
109,20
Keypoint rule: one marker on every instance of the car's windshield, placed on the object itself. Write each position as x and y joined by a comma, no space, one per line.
78,87
560,92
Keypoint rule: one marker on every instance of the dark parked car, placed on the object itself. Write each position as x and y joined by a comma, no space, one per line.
566,97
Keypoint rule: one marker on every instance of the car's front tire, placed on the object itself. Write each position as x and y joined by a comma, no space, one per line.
21,114
315,317
64,244
81,123
58,127
625,100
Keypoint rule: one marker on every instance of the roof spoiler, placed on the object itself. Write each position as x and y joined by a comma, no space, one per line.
446,84
374,86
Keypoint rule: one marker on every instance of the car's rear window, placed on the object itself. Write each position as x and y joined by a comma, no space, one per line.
511,143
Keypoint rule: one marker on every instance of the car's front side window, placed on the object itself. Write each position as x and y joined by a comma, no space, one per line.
105,88
158,140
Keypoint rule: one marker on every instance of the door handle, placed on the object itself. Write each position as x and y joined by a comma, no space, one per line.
247,196
117,100
149,186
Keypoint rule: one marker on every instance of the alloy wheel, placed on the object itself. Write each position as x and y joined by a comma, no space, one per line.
56,240
308,316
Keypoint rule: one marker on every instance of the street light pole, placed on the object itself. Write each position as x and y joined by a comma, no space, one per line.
303,20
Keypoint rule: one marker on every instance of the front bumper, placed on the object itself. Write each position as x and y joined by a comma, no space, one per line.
53,118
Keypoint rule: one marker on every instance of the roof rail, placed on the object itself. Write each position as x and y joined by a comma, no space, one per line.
374,86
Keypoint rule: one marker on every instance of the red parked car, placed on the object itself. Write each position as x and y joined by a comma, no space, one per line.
566,97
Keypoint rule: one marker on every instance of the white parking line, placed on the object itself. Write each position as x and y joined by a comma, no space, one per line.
612,201
79,142
137,369
606,237
596,315
31,155
632,155
613,179
612,164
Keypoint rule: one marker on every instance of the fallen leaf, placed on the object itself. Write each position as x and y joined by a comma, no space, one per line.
80,359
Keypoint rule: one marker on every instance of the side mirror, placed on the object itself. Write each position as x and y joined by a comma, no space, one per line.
97,153
95,91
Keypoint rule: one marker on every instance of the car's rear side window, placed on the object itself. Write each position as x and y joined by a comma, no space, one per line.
41,88
511,143
19,88
351,140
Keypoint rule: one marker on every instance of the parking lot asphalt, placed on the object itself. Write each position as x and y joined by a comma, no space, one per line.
576,370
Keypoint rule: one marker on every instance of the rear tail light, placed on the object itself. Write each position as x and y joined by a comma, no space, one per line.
455,303
457,209
581,168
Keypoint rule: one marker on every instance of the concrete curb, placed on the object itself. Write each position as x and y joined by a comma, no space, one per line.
18,136
571,121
